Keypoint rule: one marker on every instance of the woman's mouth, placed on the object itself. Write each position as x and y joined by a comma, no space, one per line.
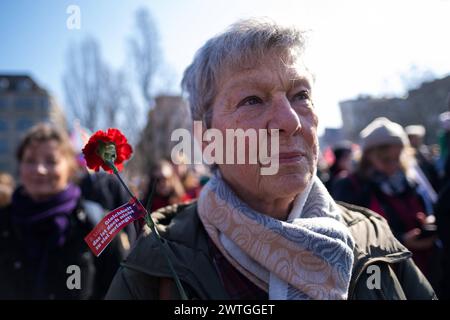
290,157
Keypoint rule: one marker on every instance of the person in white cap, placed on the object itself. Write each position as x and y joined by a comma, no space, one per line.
381,183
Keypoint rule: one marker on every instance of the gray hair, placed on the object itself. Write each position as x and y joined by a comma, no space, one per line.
242,45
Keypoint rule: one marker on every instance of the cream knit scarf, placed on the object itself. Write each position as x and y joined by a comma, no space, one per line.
309,256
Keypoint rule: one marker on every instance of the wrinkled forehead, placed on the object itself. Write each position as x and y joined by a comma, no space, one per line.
285,60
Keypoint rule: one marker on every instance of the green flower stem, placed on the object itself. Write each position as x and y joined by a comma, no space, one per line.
148,219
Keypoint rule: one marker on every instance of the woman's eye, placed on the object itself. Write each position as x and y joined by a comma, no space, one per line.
302,95
250,101
51,162
28,161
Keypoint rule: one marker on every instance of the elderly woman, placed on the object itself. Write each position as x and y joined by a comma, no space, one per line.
42,250
255,236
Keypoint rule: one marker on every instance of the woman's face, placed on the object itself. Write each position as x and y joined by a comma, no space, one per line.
269,96
163,176
44,170
386,161
345,162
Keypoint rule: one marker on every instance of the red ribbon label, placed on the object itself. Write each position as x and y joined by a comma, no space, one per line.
105,231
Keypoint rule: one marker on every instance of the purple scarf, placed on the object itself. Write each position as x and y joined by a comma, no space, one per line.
51,215
44,227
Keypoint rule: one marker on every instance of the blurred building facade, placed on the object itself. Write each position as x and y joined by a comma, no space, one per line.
23,103
420,106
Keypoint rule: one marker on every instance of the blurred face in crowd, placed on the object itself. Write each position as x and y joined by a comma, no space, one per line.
163,174
346,161
386,159
415,140
44,169
275,94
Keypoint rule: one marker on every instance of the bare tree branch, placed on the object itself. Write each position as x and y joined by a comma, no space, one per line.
83,81
146,53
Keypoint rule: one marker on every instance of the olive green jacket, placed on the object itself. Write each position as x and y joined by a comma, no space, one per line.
145,273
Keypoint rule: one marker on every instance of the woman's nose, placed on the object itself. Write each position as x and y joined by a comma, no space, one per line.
284,117
41,168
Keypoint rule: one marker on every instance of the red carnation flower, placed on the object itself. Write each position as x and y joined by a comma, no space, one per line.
109,150
94,151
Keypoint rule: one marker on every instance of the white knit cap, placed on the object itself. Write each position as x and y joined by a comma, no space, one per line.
415,130
383,131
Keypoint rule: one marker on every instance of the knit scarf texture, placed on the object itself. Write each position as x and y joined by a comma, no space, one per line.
308,256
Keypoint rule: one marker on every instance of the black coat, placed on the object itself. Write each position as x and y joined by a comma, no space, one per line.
17,275
442,212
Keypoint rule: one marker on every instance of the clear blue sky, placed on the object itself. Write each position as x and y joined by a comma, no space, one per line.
356,47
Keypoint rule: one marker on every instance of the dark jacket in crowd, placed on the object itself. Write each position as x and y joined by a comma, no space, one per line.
426,164
34,266
104,189
145,273
442,212
365,193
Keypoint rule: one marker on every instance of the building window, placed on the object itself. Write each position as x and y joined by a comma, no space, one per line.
24,85
3,103
44,104
4,84
3,146
3,126
23,124
5,166
24,103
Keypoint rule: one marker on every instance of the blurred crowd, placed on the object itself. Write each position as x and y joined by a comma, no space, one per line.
56,202
392,172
